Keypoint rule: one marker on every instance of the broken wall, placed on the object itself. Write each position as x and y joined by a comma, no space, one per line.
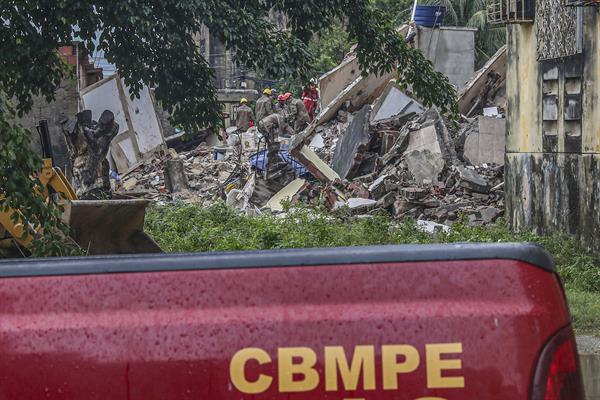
451,51
140,132
553,135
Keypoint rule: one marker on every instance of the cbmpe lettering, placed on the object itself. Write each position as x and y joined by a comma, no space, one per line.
296,370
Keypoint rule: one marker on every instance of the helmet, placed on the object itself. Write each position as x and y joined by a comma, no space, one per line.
313,81
281,97
267,91
286,96
243,101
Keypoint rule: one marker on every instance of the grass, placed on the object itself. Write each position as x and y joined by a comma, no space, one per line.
191,228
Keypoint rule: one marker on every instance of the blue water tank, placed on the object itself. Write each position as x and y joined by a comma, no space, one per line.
430,16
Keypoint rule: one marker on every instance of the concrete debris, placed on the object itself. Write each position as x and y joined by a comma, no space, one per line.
175,179
350,149
390,156
472,180
360,203
432,227
286,194
486,88
394,103
487,144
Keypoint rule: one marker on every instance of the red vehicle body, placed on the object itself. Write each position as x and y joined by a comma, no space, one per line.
454,322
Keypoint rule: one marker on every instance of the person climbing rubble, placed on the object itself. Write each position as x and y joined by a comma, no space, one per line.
264,105
274,126
245,116
310,97
298,112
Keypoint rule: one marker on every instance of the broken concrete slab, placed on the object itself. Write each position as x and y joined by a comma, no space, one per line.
363,90
490,214
431,227
472,180
355,203
394,103
285,194
350,148
488,144
488,79
334,81
175,179
424,156
414,193
425,166
424,139
315,165
388,200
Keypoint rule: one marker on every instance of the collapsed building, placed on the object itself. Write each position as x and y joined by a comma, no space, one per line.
372,148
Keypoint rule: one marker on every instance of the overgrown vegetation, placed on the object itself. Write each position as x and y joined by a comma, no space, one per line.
192,228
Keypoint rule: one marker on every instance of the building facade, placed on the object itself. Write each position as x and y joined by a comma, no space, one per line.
553,127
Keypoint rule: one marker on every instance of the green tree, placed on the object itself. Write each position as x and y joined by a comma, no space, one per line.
399,10
329,47
151,42
472,13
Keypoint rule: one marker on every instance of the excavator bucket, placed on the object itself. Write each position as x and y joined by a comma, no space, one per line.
109,226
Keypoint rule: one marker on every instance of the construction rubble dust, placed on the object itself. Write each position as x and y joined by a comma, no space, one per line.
392,155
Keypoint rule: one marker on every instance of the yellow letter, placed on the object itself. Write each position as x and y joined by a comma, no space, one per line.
391,367
287,370
237,369
430,398
435,365
363,360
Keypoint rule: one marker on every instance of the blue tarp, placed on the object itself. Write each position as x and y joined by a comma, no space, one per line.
259,162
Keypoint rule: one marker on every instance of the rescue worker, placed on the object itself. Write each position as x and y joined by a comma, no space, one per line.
274,126
245,116
264,105
281,107
310,97
298,113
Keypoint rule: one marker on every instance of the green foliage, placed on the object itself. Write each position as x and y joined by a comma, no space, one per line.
399,10
329,47
585,310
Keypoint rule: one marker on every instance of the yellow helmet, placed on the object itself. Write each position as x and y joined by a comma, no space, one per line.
243,100
267,91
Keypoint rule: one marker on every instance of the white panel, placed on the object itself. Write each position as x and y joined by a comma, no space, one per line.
144,120
127,146
106,97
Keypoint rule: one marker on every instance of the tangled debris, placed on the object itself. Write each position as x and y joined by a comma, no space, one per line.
409,162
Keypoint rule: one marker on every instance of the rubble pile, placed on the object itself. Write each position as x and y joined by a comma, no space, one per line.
207,177
391,155
409,167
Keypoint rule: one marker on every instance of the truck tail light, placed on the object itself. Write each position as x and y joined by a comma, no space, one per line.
557,376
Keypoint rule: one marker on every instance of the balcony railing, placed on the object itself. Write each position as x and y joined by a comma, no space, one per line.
502,12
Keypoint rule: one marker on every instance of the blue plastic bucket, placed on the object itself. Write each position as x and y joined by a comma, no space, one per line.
430,16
